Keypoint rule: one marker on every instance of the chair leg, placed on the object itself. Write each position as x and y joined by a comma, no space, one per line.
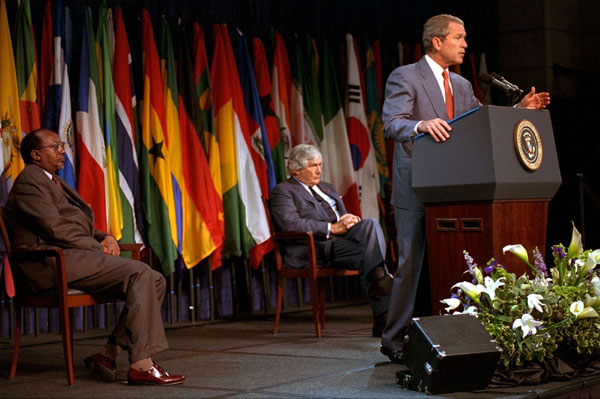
72,327
322,303
315,299
17,342
265,284
65,329
279,302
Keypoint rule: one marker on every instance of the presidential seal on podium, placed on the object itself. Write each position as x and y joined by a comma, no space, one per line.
528,145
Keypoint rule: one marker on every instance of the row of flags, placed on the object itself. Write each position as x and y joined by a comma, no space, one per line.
185,170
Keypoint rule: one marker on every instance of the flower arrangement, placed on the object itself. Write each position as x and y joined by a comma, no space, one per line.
534,318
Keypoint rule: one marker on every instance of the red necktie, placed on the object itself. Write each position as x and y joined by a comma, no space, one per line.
55,180
449,97
58,184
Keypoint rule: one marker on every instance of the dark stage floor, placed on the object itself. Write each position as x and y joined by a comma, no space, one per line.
242,359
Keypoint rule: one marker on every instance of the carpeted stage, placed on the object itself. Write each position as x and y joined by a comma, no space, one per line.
242,359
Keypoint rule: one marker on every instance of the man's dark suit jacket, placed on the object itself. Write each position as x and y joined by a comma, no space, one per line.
295,209
39,215
412,95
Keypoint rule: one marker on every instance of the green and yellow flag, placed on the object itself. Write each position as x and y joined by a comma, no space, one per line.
103,48
157,188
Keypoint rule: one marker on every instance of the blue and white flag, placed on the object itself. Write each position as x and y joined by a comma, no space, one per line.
256,120
58,109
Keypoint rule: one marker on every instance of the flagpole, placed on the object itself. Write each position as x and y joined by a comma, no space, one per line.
234,293
179,298
211,290
171,300
191,299
266,286
249,287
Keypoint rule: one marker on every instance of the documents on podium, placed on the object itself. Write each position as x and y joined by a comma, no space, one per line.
485,187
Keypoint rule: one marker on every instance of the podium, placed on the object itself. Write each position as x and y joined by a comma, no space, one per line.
486,187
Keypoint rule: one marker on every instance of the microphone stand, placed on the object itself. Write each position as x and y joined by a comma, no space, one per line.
514,97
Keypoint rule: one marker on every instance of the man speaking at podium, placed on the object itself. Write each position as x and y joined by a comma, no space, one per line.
421,98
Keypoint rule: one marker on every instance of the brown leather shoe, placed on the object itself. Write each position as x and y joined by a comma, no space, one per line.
381,287
102,366
379,322
155,376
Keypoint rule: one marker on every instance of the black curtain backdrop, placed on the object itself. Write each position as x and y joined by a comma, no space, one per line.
389,21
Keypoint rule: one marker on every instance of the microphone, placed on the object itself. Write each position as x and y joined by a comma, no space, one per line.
515,88
496,80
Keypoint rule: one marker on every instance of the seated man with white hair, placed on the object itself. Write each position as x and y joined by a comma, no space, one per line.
343,240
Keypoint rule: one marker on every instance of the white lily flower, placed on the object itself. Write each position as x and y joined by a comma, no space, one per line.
593,259
472,310
491,286
528,324
452,303
470,289
580,311
582,267
591,301
576,308
587,312
576,246
579,264
535,301
518,250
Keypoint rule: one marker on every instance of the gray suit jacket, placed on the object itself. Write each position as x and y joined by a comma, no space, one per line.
39,215
295,209
412,95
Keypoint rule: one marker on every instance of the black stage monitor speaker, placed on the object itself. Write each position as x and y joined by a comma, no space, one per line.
449,354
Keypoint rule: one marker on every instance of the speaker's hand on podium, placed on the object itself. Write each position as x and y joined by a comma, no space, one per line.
438,129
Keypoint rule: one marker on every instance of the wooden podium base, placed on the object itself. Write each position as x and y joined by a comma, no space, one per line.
482,229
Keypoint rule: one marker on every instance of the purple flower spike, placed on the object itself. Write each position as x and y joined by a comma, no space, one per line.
559,250
538,262
470,262
492,265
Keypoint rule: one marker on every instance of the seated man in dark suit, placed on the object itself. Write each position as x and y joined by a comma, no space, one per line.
305,203
43,211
